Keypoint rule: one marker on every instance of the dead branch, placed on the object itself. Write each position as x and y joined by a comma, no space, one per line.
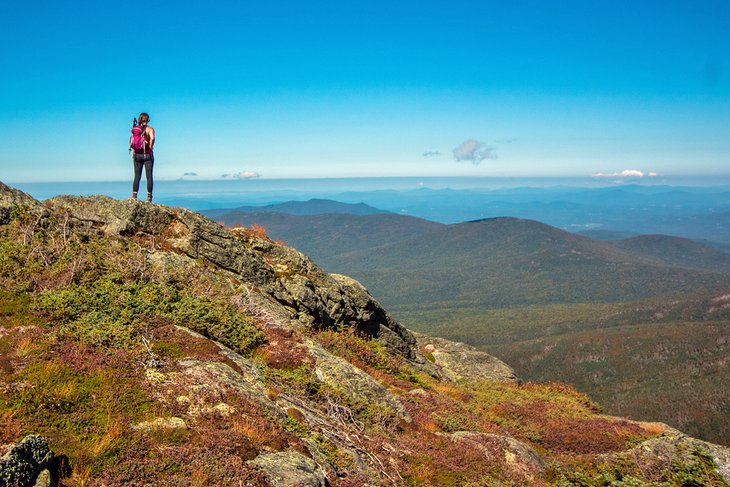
152,360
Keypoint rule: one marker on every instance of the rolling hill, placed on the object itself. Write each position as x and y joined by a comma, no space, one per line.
675,252
510,262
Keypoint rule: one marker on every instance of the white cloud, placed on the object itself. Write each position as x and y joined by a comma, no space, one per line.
246,175
474,151
190,174
626,173
430,153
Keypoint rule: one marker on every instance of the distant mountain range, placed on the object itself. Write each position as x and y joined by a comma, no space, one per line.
314,206
519,289
506,262
700,213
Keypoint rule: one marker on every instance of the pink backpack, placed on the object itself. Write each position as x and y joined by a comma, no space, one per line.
138,140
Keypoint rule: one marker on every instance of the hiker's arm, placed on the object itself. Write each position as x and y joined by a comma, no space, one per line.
151,133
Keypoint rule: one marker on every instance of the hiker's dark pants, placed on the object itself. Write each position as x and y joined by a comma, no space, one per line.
145,161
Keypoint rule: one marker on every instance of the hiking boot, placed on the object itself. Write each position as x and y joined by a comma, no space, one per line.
149,197
134,195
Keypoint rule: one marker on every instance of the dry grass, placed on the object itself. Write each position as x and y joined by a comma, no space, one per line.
79,478
254,231
450,391
26,345
199,478
10,428
653,428
103,444
252,431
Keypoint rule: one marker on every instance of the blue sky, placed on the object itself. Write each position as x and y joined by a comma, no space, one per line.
378,88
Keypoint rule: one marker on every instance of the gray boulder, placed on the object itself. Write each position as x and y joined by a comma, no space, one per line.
515,456
674,447
290,469
459,361
26,461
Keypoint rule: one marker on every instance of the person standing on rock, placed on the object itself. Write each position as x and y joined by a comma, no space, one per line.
142,143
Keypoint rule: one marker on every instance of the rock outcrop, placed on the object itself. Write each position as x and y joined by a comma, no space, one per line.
521,459
288,468
674,447
459,361
309,295
11,198
30,463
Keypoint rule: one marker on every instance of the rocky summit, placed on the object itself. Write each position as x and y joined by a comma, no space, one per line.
147,345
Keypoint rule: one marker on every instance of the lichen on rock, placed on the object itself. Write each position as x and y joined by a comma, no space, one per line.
25,461
290,468
459,361
676,448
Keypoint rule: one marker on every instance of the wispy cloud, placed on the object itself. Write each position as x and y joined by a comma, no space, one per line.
431,153
190,174
626,173
474,151
242,175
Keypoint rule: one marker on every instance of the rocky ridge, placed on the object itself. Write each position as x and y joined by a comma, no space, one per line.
349,393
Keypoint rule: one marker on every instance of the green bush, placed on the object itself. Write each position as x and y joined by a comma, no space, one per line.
219,321
111,314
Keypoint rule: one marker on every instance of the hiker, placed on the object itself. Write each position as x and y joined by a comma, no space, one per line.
142,143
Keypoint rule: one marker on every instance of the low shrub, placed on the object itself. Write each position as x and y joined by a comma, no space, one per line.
111,314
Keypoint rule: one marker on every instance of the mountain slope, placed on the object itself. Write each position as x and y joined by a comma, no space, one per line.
675,252
151,346
692,357
508,262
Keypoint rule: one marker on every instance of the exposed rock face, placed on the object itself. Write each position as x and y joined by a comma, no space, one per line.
373,319
26,461
10,198
460,361
218,376
311,296
290,468
170,423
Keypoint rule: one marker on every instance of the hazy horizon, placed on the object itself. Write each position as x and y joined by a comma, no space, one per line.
261,191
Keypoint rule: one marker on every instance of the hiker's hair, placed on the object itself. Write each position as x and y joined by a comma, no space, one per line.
144,118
